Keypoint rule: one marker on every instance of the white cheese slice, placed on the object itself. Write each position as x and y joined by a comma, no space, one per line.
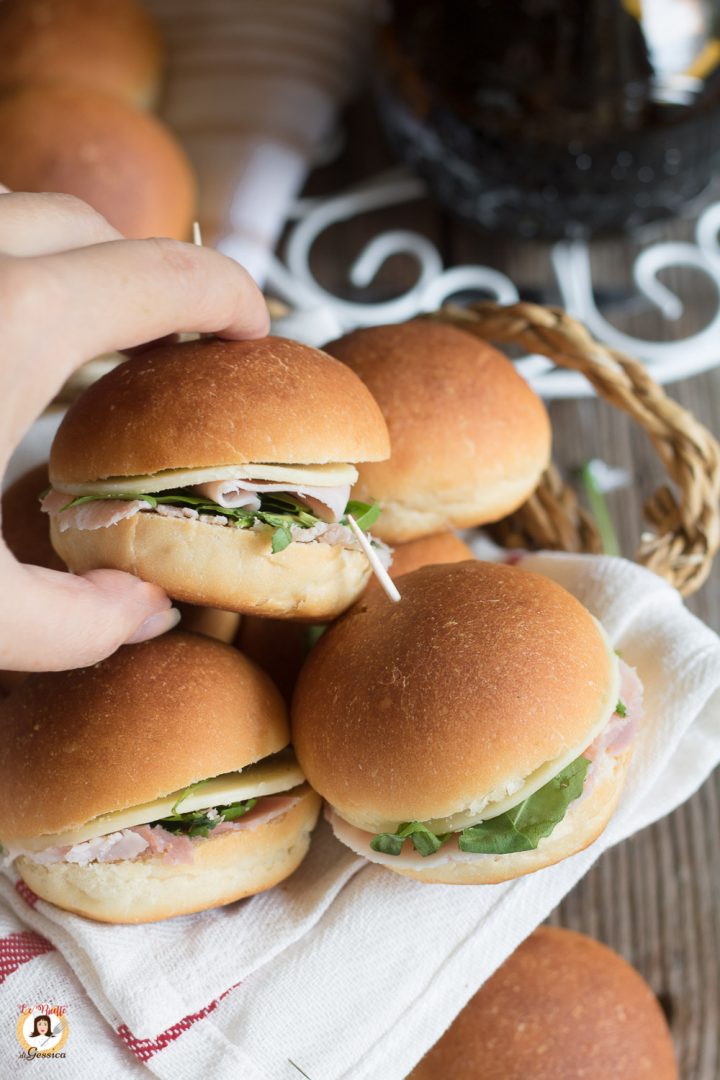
267,777
333,475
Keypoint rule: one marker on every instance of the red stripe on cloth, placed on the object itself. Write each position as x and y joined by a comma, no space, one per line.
18,949
26,893
144,1049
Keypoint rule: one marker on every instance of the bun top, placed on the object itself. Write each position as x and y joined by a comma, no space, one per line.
151,719
456,409
422,709
562,1006
122,162
25,529
212,402
107,45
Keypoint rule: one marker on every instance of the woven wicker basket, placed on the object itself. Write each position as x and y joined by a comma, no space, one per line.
684,523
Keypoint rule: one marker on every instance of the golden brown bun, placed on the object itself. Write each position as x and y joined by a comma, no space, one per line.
121,161
562,1007
214,623
278,646
469,437
225,868
211,402
151,719
25,529
582,824
427,551
220,566
10,679
107,45
480,675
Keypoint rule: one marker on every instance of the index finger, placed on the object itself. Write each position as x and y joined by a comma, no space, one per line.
62,309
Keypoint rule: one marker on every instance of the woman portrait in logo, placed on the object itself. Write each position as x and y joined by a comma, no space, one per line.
42,1034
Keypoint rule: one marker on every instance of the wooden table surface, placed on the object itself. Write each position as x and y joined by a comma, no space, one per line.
655,898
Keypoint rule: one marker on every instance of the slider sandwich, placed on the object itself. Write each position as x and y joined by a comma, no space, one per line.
156,783
470,439
221,471
478,730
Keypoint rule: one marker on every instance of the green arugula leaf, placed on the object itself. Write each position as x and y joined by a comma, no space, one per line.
188,791
365,514
197,822
281,538
100,498
423,839
236,810
286,505
388,843
524,826
312,636
621,709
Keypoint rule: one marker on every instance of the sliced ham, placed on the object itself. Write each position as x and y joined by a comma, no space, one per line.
99,514
147,840
174,847
266,809
111,848
230,493
103,513
620,731
327,503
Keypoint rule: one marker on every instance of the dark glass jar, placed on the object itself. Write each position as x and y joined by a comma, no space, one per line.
555,118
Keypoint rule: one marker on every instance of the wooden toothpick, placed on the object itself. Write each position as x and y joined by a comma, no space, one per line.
197,235
379,570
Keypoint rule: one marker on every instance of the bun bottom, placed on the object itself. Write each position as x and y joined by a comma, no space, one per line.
220,566
440,510
582,824
225,868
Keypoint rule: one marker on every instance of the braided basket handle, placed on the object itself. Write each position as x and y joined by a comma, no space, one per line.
685,527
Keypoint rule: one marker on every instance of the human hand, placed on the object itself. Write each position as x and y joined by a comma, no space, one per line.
72,288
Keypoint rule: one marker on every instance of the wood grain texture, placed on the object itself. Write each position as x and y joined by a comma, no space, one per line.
655,898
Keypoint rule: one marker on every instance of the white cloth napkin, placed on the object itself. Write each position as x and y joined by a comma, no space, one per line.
347,970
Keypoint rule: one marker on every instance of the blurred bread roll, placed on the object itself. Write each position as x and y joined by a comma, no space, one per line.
561,1007
108,45
25,529
124,163
469,438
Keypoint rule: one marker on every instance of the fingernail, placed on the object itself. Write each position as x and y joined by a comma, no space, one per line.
155,625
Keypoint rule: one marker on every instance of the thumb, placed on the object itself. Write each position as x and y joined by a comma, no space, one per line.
51,621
